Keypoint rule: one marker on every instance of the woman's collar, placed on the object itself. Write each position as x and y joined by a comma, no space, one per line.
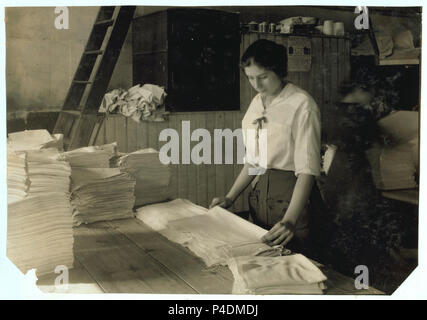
284,93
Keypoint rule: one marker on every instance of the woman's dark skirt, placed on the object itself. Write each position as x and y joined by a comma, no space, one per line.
270,198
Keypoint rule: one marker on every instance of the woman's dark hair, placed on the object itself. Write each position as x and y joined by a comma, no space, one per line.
267,54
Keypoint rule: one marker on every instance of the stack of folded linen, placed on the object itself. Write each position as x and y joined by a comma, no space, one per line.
101,194
34,140
40,233
152,177
39,221
292,274
88,157
34,165
17,180
47,173
395,165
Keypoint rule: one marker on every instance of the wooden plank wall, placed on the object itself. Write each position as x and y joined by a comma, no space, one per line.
200,183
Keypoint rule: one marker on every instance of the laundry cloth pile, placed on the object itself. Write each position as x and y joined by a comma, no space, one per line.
34,140
39,233
390,45
90,157
99,192
139,102
152,176
47,172
17,179
34,164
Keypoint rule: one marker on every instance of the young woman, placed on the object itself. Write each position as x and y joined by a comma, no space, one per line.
279,200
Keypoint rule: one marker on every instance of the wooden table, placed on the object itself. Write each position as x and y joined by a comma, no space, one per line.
127,256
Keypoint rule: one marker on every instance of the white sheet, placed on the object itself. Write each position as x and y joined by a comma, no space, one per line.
209,234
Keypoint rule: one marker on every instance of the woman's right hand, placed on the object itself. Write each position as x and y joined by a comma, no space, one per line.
223,202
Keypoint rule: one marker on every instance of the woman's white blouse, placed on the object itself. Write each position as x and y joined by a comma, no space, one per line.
293,132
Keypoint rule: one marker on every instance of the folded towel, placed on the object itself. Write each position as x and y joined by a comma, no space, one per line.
276,275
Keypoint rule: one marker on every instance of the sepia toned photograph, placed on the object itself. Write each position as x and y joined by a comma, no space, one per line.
232,150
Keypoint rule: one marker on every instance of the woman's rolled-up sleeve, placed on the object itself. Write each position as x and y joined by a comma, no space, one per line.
306,131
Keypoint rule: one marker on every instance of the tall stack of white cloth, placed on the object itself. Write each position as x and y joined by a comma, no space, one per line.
39,225
17,178
47,172
98,192
152,177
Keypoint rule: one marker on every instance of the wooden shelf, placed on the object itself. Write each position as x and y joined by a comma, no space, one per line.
395,62
402,57
308,35
406,195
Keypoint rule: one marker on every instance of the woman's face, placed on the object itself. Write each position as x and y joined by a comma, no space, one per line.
264,81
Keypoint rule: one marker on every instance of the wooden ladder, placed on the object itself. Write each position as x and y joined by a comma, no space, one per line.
79,121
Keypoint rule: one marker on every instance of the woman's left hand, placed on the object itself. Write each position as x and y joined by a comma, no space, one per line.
281,233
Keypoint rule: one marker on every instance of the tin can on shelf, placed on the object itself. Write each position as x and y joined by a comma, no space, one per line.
252,26
262,27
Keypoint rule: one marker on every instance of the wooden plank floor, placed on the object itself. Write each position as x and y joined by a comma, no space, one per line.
127,256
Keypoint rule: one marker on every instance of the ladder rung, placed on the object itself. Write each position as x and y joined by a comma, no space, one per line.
72,112
82,82
94,52
107,22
